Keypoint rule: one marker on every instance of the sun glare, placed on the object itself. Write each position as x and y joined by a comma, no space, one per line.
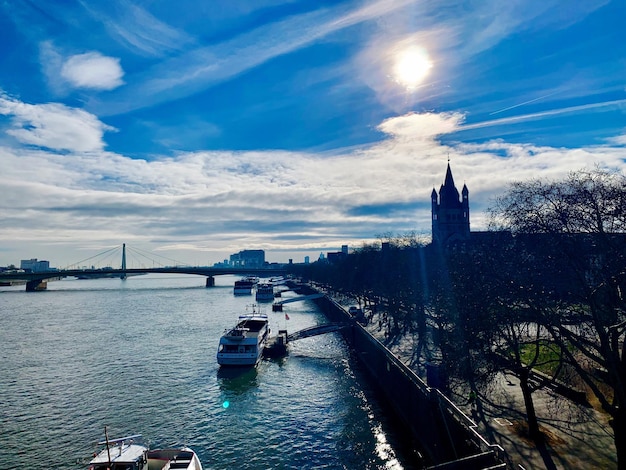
411,67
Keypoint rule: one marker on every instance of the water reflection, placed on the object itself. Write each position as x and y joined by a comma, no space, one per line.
237,380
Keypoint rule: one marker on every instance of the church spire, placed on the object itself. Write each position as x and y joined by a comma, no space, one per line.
449,181
450,212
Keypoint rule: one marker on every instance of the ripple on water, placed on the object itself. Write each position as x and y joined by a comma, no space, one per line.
139,357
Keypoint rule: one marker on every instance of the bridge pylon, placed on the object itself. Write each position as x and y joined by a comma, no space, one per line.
123,276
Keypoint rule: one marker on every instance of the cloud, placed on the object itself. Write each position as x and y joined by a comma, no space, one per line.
420,126
90,71
203,67
136,28
602,106
51,63
93,70
218,202
618,140
53,126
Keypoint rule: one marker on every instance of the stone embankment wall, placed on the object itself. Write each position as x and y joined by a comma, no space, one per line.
444,434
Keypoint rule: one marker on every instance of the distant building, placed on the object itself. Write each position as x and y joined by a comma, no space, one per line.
450,213
248,259
34,265
306,260
337,255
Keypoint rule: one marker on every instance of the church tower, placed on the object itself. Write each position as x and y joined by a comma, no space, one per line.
450,213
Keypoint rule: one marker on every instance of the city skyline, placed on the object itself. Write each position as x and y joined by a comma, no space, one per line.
200,130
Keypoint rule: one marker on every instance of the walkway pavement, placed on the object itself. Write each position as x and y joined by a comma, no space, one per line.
577,437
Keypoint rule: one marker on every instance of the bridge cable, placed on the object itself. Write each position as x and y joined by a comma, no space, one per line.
77,263
141,252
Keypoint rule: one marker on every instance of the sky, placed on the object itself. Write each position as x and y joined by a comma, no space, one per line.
194,130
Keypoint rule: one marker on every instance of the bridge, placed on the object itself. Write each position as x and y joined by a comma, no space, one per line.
37,280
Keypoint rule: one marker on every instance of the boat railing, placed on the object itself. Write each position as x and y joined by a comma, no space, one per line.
123,440
237,333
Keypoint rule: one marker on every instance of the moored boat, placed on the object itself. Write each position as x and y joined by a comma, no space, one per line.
244,285
243,344
128,453
265,291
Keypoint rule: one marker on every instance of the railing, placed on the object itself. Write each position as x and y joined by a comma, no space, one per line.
316,330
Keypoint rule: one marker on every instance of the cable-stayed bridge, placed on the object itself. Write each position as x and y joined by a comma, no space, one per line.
36,280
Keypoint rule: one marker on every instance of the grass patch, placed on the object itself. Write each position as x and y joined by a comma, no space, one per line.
543,355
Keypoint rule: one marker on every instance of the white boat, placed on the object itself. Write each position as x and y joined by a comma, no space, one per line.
245,285
265,291
243,345
127,453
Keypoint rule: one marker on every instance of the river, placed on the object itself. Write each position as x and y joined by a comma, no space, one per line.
138,356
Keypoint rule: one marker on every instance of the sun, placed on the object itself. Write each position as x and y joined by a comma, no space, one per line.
411,67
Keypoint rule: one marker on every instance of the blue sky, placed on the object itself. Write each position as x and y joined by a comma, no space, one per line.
198,129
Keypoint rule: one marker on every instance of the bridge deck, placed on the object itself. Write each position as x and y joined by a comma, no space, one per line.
316,330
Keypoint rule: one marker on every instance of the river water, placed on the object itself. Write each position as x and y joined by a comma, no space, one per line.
138,356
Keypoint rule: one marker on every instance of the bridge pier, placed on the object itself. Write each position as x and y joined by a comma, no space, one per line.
36,285
210,282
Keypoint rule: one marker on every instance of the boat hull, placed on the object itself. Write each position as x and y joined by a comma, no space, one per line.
238,360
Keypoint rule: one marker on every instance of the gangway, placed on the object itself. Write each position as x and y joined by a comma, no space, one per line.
316,330
278,306
297,299
277,346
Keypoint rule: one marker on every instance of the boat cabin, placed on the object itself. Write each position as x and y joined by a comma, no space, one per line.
121,457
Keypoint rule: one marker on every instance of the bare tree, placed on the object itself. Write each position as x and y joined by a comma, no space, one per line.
492,325
579,223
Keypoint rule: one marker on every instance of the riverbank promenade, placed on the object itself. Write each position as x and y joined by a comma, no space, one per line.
576,436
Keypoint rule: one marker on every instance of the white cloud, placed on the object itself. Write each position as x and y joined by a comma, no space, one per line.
135,27
219,202
200,68
51,63
54,126
421,126
93,70
618,140
88,71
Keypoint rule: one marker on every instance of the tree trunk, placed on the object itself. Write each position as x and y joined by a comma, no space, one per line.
531,415
619,431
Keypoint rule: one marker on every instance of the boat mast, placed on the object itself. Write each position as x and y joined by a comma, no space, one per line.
106,438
